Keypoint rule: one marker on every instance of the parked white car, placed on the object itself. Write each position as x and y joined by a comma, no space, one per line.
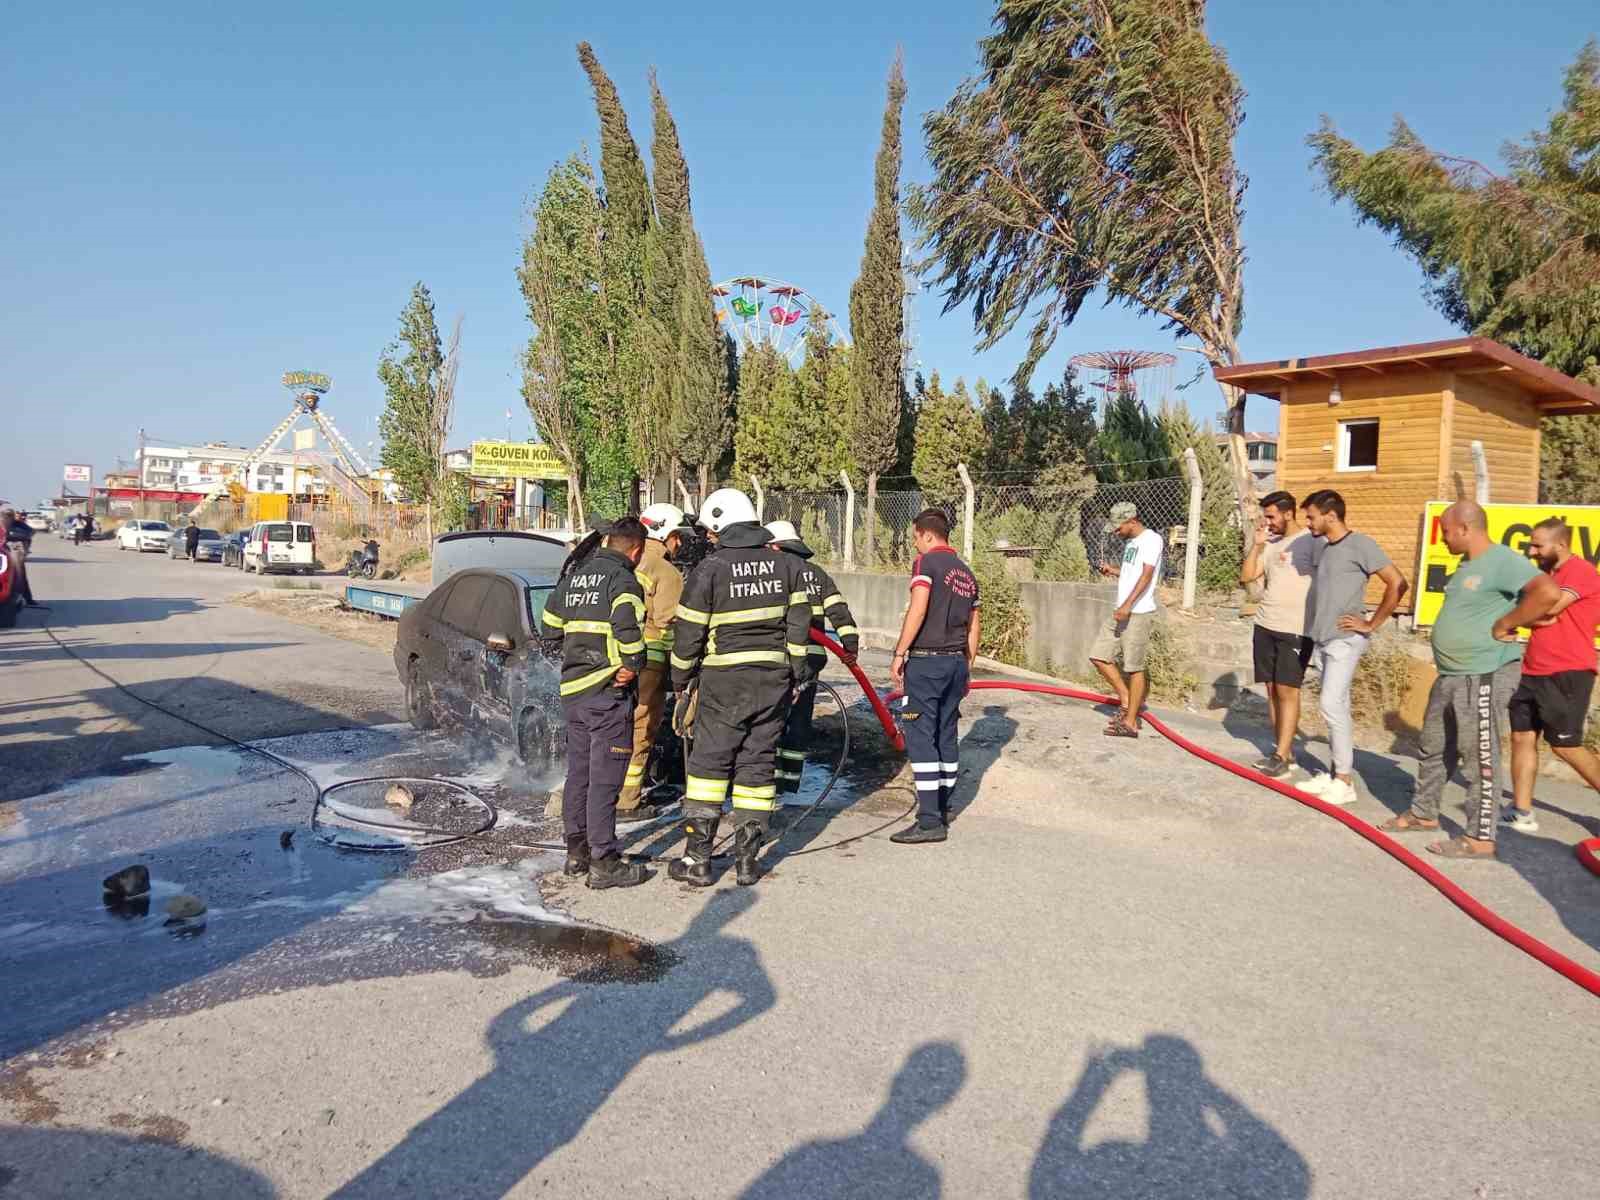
289,546
144,535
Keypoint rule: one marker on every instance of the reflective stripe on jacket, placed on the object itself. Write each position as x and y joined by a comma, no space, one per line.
595,612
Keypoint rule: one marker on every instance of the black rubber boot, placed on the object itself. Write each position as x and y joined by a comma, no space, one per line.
615,871
695,865
577,855
749,839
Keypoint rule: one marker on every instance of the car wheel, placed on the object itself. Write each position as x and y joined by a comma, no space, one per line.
536,738
419,699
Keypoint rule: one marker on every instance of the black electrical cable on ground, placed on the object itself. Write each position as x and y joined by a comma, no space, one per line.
434,836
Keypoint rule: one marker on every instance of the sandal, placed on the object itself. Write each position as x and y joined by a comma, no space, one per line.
1406,823
1458,847
1121,729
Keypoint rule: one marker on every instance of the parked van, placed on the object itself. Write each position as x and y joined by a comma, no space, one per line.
288,546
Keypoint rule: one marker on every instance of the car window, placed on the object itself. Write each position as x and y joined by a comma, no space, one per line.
209,535
280,533
304,533
538,597
499,612
466,598
436,599
158,526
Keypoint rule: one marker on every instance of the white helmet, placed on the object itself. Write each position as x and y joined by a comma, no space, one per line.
783,531
661,519
724,507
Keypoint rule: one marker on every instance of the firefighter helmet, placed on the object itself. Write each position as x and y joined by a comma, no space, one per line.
724,507
661,519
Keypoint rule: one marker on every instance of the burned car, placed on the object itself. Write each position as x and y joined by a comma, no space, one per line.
469,655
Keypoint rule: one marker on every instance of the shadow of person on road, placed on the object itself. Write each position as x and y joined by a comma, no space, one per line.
547,1081
1202,1141
981,746
42,1161
879,1161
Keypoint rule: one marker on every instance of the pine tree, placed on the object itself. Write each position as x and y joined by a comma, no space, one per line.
1094,153
877,316
949,431
819,446
702,404
1001,431
664,278
412,443
1131,445
626,197
566,365
766,403
1221,543
1514,257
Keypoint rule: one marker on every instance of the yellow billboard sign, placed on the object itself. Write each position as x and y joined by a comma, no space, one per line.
1510,525
519,460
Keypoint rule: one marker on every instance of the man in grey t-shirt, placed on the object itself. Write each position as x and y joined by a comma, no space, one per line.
1345,561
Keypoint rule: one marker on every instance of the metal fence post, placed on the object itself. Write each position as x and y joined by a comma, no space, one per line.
966,522
849,519
1480,471
761,499
1191,541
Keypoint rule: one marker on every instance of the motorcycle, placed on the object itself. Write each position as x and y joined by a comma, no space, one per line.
363,563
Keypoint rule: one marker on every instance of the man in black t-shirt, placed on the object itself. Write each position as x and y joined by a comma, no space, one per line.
932,666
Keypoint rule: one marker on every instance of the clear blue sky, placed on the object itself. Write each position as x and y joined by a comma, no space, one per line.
196,199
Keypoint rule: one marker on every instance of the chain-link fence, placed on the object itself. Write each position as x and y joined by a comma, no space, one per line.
1044,531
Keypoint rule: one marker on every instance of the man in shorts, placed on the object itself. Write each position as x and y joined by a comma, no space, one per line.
1126,633
1283,559
1557,673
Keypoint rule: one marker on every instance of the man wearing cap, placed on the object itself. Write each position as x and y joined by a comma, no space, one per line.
826,602
662,582
1126,633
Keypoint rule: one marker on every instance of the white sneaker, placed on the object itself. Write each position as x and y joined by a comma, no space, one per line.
1338,792
1315,782
1514,818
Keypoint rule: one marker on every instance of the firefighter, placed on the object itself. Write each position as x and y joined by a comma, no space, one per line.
594,612
932,664
742,630
826,601
665,530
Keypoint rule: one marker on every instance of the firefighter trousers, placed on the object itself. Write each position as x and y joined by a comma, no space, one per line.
935,686
736,728
646,721
599,744
796,737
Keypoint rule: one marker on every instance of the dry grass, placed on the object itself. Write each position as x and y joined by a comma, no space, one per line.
325,612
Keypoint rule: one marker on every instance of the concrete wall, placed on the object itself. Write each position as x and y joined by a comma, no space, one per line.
1063,619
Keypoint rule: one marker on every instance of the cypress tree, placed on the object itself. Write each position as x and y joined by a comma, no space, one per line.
626,196
664,273
702,406
763,436
877,316
949,431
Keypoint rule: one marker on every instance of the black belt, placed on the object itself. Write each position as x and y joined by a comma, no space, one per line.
935,653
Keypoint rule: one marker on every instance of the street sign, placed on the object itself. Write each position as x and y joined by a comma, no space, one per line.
77,473
516,460
1510,525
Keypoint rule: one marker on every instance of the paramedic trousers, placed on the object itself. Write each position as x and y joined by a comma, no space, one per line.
797,735
737,722
935,685
599,745
1466,711
646,721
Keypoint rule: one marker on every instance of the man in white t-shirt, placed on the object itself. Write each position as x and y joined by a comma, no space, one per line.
1126,633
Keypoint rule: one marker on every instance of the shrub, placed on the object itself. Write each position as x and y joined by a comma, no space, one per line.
1004,627
1169,666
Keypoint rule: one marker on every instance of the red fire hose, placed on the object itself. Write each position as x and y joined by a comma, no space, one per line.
1588,851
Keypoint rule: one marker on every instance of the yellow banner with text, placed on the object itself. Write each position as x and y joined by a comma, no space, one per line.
516,460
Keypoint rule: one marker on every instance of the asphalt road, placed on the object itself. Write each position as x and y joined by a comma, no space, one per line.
1125,975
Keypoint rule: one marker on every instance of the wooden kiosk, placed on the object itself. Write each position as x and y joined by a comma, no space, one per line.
1393,428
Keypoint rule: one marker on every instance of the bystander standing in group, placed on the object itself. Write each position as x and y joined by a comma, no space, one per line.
1558,672
1283,558
1345,561
1126,633
1492,593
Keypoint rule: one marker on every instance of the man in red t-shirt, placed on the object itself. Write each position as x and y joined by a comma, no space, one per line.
1557,673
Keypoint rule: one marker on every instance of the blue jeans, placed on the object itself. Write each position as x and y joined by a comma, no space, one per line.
934,689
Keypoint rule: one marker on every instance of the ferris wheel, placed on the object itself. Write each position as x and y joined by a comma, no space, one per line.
758,311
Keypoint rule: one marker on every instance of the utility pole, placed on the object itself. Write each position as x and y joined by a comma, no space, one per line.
141,470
